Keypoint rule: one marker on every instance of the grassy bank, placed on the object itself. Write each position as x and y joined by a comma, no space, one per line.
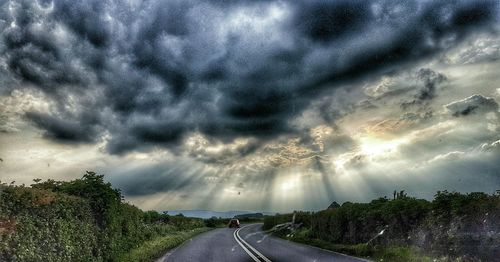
155,248
376,253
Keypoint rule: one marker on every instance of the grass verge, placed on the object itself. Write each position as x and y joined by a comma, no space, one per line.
155,248
375,253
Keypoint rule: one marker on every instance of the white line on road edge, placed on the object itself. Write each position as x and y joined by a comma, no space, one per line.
253,249
243,246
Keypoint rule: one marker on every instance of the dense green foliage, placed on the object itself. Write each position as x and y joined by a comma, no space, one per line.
39,225
80,220
216,222
223,222
453,225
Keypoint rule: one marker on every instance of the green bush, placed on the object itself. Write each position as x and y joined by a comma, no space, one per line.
216,222
47,226
271,221
80,220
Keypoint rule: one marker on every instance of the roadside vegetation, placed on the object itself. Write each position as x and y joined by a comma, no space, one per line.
157,247
451,227
84,220
244,219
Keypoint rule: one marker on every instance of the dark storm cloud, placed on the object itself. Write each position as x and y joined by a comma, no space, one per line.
157,70
329,20
33,53
66,130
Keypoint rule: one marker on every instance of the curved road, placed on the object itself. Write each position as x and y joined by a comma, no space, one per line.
250,244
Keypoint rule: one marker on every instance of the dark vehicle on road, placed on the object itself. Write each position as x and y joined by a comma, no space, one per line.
234,223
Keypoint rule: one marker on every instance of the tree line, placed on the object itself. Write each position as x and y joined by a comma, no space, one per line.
452,224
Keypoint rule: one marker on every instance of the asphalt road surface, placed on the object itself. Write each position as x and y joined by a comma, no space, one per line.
248,244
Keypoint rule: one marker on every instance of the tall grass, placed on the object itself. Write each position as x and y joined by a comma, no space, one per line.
155,248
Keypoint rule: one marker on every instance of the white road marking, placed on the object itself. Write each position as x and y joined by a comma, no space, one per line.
253,249
243,246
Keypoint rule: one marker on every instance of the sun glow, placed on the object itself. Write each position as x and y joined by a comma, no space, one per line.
289,184
372,146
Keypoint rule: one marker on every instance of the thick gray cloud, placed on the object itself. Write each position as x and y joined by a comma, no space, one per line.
66,130
472,105
429,80
154,71
227,154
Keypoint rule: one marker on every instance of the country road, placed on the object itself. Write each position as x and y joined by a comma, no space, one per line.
250,244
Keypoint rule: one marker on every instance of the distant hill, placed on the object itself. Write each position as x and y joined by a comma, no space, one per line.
251,215
209,213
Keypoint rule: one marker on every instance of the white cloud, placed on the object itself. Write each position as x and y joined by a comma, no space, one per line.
472,105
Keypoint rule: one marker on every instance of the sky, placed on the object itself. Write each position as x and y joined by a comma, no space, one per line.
252,105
